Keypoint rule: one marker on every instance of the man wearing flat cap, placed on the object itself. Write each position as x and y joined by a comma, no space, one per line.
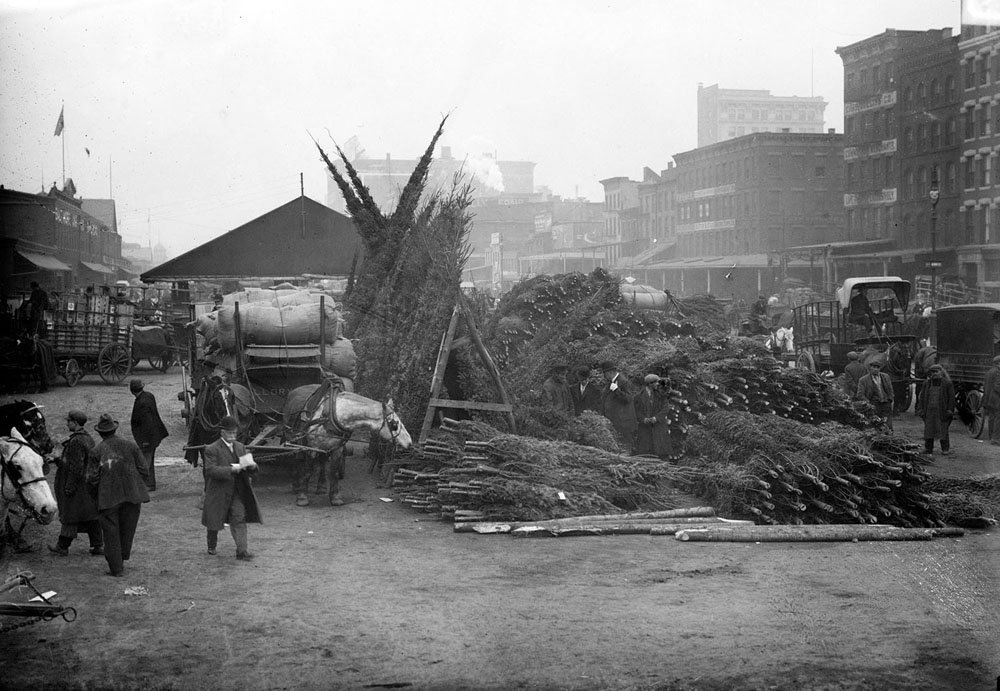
555,390
119,473
148,429
77,506
991,401
876,388
936,405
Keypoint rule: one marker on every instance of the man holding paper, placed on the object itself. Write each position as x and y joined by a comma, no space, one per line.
229,496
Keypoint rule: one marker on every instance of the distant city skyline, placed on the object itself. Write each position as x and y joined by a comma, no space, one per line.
197,118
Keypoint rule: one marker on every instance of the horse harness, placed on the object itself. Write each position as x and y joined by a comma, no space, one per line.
330,422
10,471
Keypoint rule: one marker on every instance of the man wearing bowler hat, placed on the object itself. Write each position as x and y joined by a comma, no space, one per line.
148,429
119,473
229,496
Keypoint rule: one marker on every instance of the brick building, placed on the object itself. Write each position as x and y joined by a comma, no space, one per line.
52,239
901,132
973,248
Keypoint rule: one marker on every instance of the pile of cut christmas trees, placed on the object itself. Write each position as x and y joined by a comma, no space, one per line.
761,443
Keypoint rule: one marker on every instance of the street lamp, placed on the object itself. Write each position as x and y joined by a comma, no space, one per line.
934,195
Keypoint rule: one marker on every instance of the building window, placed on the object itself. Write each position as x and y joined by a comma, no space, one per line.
936,134
877,76
983,120
774,165
907,184
820,172
921,93
984,171
970,125
949,184
850,174
922,135
949,87
970,74
984,71
876,171
935,91
951,132
908,139
889,181
908,95
970,232
969,173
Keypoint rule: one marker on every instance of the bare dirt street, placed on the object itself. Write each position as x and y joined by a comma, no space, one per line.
372,594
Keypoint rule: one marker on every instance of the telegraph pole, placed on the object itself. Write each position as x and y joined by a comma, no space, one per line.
934,194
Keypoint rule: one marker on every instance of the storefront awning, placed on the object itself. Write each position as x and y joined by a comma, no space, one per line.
44,261
99,268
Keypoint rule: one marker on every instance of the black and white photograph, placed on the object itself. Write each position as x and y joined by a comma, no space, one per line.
640,345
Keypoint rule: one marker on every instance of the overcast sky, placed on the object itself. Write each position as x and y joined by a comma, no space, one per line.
197,114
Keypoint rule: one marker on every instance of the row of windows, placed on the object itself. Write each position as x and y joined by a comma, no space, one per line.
980,69
878,77
777,165
933,93
767,114
741,130
747,203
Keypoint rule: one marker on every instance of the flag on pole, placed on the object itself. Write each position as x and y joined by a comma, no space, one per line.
60,123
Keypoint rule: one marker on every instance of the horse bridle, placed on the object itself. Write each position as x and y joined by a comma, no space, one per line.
390,422
10,471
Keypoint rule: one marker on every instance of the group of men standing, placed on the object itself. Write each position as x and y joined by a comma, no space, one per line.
640,419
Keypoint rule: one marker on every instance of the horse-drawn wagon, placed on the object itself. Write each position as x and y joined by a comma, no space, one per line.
869,315
968,338
291,399
91,333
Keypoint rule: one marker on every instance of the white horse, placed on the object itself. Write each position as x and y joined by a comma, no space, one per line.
322,417
22,479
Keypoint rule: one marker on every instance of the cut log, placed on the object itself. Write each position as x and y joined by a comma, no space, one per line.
625,528
803,533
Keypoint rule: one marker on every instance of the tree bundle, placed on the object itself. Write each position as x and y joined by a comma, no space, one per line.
780,471
971,502
512,478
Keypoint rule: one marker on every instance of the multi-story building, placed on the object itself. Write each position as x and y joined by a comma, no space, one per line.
728,113
974,245
759,193
52,239
622,229
901,133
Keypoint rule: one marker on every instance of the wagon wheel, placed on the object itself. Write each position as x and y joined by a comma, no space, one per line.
163,361
114,362
72,372
974,400
805,361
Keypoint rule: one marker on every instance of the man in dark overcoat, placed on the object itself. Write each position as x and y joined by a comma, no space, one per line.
585,391
936,405
77,506
229,496
148,429
616,403
119,472
652,437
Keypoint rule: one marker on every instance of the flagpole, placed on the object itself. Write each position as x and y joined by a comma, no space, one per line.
62,111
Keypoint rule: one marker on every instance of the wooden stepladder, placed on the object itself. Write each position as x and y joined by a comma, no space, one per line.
448,344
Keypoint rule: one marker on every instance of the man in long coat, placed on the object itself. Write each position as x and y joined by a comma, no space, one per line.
652,414
585,391
119,472
876,388
616,403
148,429
229,496
936,405
991,401
77,506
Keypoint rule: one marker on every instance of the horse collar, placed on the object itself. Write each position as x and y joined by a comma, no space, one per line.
334,422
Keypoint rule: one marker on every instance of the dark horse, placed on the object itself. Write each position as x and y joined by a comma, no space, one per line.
213,401
27,420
